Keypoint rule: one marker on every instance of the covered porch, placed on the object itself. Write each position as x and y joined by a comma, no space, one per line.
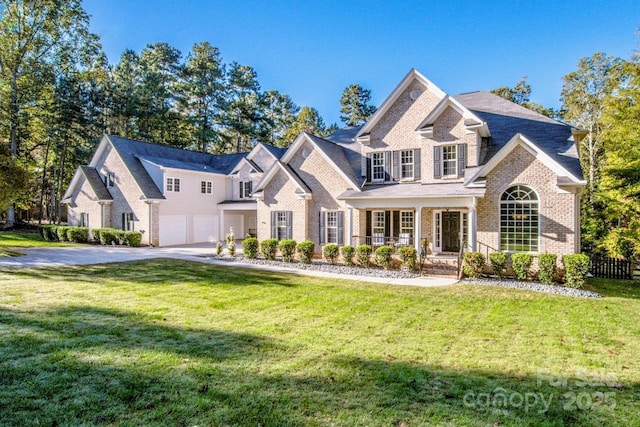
241,215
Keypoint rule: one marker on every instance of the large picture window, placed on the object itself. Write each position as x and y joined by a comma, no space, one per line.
519,220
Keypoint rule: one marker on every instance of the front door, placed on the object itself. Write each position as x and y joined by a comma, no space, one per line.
450,231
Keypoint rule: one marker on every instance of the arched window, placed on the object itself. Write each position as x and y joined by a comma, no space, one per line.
519,220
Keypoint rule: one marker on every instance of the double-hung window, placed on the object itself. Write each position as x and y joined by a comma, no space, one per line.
206,187
281,225
110,179
449,160
406,164
127,221
377,166
406,227
173,185
83,220
245,189
332,227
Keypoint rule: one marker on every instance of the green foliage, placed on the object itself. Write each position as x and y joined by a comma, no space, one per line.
355,107
48,232
576,268
219,248
268,248
250,247
331,252
287,249
347,252
622,243
78,234
231,248
383,256
108,236
547,268
305,251
61,230
132,238
363,255
520,94
473,264
521,265
498,262
409,256
308,120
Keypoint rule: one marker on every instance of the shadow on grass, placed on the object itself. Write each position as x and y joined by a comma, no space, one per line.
84,365
157,271
616,288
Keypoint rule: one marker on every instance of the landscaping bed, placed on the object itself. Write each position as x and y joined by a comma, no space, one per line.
532,286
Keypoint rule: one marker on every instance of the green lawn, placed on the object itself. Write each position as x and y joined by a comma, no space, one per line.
178,343
12,239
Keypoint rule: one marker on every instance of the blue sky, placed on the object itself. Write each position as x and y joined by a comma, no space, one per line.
312,50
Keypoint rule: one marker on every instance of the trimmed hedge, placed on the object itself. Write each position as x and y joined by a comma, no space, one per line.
287,249
132,238
250,247
107,236
521,264
383,256
78,234
347,253
576,268
305,251
409,256
61,231
331,252
48,232
474,263
363,254
498,262
547,268
268,248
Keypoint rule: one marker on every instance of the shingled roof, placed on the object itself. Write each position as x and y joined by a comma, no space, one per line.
506,119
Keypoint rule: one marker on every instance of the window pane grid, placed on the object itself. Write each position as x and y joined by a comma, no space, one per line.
449,160
406,161
519,220
378,166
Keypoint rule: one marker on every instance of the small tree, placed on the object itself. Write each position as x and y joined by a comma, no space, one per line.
305,251
218,248
498,263
268,248
521,264
330,252
347,253
287,249
383,256
250,247
363,253
547,268
474,263
231,242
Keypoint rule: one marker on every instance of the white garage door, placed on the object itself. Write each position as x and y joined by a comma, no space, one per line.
173,230
204,228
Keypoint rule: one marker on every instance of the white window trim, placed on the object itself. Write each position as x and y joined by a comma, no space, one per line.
208,187
412,163
437,228
326,227
500,204
281,227
455,161
373,166
174,180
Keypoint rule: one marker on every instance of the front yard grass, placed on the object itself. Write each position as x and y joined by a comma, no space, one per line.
170,342
13,239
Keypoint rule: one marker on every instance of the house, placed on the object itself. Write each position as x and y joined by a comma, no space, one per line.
172,196
469,171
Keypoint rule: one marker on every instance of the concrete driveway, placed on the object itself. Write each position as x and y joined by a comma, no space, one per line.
95,254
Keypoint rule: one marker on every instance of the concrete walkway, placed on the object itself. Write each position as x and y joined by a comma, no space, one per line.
90,254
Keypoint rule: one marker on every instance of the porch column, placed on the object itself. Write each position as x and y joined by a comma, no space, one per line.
417,228
350,226
472,224
221,236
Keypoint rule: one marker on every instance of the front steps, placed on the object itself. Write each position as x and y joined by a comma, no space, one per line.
440,265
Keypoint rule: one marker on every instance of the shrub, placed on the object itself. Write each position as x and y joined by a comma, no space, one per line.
363,253
48,233
132,238
331,252
409,256
96,234
109,236
498,262
547,268
61,230
347,253
474,263
231,248
383,256
250,247
78,234
576,267
521,263
305,251
268,248
219,248
287,249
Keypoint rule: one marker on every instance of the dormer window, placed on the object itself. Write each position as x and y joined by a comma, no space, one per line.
377,165
449,161
245,190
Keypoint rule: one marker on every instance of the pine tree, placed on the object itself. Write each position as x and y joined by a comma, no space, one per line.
356,109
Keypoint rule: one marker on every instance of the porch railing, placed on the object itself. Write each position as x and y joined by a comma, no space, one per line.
378,240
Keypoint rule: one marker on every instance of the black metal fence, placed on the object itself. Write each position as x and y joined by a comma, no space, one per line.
611,268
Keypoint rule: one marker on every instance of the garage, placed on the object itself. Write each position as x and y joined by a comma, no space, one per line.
173,230
204,228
